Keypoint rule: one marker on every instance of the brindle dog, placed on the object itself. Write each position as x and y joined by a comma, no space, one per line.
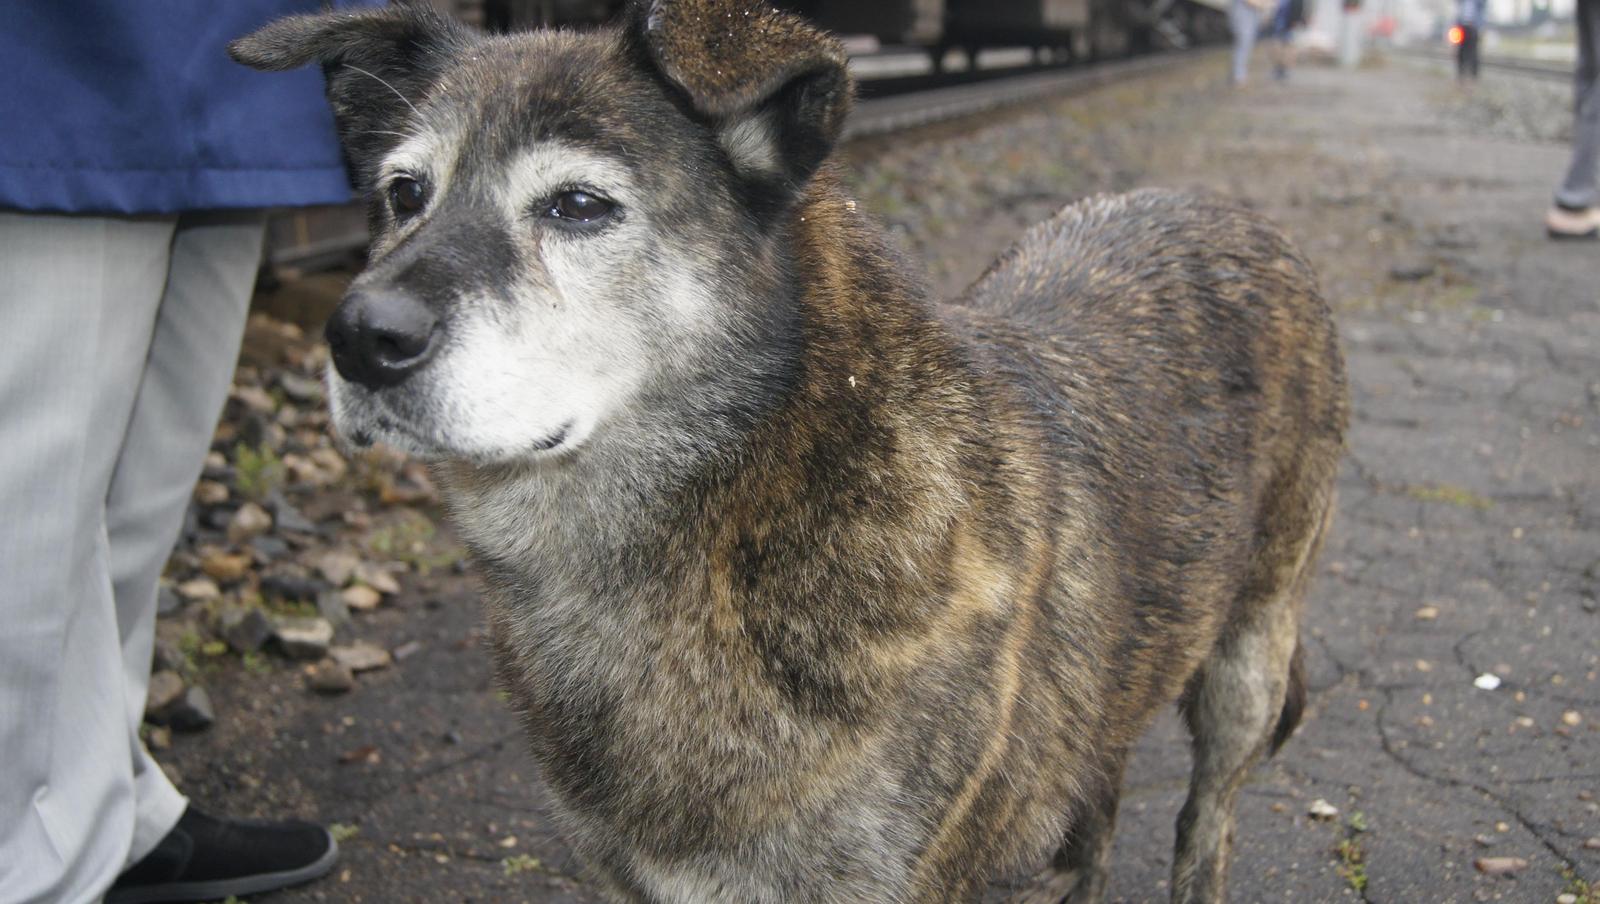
806,588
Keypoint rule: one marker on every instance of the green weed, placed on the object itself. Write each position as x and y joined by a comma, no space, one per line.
521,863
342,832
1582,891
257,472
1451,495
1353,863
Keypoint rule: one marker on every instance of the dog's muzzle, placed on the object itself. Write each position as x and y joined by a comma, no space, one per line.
378,338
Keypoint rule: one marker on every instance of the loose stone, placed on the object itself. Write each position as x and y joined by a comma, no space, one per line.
361,656
249,521
361,598
330,677
245,628
164,690
304,638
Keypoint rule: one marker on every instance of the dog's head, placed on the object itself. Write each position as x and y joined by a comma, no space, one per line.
569,229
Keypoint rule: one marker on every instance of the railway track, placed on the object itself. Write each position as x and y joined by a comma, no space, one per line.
881,112
321,237
1529,68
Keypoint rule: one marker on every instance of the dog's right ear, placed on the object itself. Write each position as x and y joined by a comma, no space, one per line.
775,88
379,64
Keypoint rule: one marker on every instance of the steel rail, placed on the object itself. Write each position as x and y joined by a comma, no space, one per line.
882,115
1504,64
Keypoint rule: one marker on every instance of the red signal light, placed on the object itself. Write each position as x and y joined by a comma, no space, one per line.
1457,35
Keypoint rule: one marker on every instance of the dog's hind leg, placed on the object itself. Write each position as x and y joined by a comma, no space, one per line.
1242,704
1078,872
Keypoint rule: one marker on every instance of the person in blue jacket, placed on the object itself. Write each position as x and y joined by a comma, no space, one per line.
135,164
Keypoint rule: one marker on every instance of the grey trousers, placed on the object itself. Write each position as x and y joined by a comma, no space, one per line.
118,337
1245,20
1581,187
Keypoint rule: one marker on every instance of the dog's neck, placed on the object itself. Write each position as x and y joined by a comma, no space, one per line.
852,382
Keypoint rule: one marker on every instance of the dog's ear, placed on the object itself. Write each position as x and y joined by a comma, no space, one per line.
378,63
776,88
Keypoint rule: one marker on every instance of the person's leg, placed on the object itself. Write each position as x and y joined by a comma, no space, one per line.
1581,187
181,389
179,853
1245,22
78,300
1282,26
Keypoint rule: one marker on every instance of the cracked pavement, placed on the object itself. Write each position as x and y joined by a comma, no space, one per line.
1467,542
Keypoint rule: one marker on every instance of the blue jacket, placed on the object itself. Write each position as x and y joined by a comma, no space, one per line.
133,106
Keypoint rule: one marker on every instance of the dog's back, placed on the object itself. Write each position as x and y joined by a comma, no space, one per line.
1176,357
1191,376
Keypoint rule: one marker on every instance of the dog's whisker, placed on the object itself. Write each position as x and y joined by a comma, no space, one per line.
403,98
401,135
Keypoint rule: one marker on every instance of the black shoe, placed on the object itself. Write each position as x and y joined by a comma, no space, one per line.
206,859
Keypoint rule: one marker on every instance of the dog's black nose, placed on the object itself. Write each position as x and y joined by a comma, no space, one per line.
379,338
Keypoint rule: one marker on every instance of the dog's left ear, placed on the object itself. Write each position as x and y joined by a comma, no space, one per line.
379,65
776,88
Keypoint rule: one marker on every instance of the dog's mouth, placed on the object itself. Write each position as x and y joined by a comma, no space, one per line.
554,441
380,428
384,426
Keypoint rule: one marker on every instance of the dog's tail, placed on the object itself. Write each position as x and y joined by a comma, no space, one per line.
1294,701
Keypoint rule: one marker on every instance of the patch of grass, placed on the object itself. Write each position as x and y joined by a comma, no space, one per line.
292,608
1352,856
406,537
342,832
256,663
1353,863
189,645
257,472
521,863
411,540
1450,494
1585,892
1453,298
203,656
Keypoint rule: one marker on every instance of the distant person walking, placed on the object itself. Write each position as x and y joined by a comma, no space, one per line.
1245,19
1291,14
1470,21
1576,213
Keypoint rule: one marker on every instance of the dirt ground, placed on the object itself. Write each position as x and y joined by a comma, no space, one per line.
1466,552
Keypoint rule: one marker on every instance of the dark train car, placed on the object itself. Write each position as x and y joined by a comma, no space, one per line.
1085,29
892,22
1067,24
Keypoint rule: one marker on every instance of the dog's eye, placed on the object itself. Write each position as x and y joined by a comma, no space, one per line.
580,207
407,197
